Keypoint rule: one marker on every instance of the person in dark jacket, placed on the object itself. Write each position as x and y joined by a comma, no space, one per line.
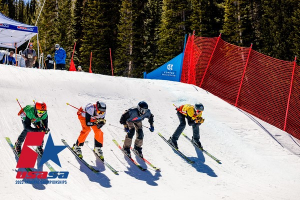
36,115
30,56
10,60
49,62
132,121
60,57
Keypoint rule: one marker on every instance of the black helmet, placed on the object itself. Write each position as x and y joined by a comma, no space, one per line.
199,106
101,106
142,107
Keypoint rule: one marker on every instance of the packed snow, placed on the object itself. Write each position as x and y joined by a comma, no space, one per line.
259,161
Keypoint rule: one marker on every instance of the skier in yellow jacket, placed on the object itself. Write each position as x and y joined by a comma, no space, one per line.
193,114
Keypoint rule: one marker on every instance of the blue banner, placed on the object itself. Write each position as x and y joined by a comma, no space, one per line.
32,29
171,70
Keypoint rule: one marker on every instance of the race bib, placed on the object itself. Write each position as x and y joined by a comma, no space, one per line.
30,56
51,61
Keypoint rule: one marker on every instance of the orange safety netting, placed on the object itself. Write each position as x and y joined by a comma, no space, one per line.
266,87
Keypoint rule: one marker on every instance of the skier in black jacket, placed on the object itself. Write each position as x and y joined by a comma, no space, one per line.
132,121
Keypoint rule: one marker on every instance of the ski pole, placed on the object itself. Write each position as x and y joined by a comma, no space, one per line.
19,103
81,110
114,126
73,106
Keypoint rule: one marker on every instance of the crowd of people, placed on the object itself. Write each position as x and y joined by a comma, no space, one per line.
58,62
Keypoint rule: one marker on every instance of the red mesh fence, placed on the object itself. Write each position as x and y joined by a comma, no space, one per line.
293,119
254,82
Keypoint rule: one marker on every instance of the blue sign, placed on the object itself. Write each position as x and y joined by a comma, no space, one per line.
171,70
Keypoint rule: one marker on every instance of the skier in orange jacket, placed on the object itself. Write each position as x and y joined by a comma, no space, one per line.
92,117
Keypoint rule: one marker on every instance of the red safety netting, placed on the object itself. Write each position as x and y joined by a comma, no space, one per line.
293,119
252,81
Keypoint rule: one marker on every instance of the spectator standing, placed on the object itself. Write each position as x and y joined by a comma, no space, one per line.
60,57
49,62
30,56
79,69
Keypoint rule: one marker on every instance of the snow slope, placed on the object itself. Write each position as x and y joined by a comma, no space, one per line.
259,161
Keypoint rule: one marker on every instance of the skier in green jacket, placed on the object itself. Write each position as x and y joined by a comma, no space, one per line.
36,115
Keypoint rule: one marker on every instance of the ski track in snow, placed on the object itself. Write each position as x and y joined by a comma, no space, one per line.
259,161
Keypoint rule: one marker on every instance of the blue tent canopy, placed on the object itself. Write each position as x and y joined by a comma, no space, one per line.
14,34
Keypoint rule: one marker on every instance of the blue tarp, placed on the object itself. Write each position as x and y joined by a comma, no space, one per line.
171,70
14,34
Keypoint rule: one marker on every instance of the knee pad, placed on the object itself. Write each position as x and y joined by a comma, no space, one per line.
141,134
130,134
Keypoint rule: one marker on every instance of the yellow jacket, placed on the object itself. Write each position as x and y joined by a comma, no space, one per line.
189,110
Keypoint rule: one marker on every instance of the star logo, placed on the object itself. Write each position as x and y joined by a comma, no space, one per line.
51,151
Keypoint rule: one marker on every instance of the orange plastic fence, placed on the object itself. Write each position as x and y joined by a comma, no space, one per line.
266,87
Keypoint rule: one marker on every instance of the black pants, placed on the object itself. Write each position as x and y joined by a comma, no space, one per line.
22,136
60,66
180,128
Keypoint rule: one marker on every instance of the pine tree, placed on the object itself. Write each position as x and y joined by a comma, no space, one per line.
152,21
4,9
207,17
124,58
77,29
98,31
237,26
295,36
174,25
20,13
64,27
276,26
47,24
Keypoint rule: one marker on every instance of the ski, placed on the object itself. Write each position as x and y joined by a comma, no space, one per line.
47,164
132,160
203,150
146,161
83,161
16,154
179,152
102,160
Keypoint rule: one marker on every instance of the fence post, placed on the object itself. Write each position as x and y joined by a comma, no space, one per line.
237,98
288,103
210,60
191,60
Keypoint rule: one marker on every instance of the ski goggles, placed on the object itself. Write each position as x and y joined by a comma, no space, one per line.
100,112
143,110
41,111
198,111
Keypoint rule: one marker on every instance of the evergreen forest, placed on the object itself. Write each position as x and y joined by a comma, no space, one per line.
144,34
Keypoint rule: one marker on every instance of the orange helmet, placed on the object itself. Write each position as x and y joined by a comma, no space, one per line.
40,106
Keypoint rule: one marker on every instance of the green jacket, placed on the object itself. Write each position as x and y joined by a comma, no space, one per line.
30,113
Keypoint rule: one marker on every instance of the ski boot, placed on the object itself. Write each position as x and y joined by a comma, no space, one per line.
18,148
127,151
138,151
77,150
40,150
98,151
197,143
173,143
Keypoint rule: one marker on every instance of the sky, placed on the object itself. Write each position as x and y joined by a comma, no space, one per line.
258,161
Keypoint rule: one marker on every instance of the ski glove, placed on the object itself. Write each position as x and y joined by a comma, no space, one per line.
126,129
151,128
199,120
47,130
100,123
